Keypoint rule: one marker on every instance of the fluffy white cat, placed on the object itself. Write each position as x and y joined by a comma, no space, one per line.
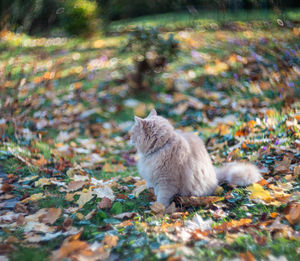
174,162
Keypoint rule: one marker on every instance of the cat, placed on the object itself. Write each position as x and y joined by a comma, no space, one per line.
177,163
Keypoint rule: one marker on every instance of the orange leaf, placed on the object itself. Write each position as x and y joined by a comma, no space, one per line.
262,182
69,248
293,213
248,256
233,224
110,241
274,215
41,161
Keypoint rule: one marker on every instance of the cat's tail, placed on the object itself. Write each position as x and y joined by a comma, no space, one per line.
238,173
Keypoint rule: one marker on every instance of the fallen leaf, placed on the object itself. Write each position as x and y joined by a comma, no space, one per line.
105,203
248,256
293,213
125,215
257,192
233,224
50,216
85,196
69,196
198,223
41,161
184,201
38,227
75,185
6,187
42,182
157,208
34,197
90,214
171,209
104,191
138,190
110,241
67,224
69,247
297,171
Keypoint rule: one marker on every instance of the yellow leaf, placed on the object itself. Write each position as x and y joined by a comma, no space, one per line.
85,196
36,197
80,216
257,192
219,190
140,110
42,182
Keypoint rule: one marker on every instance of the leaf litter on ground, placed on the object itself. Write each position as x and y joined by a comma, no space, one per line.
68,166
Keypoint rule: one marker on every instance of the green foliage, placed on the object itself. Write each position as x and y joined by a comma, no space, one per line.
77,17
80,16
151,52
116,208
142,41
27,253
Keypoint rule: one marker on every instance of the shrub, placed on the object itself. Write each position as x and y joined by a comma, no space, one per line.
80,16
151,52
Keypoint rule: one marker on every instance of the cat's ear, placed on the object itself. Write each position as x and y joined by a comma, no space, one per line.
152,113
139,121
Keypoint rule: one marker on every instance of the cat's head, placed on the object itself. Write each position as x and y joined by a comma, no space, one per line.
150,133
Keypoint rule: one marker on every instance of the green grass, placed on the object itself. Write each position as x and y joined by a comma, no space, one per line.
173,21
58,99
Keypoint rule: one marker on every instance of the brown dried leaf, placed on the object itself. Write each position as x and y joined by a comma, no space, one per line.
75,185
196,201
293,213
20,220
281,169
105,203
128,179
51,216
157,208
171,209
67,224
69,247
6,187
297,171
20,208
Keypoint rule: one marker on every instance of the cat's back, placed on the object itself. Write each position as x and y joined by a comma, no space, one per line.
196,145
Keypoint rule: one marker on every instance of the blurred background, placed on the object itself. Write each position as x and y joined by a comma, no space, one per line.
84,17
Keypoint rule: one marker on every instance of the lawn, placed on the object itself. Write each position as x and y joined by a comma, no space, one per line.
70,187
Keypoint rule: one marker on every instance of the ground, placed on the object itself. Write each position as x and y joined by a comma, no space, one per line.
70,187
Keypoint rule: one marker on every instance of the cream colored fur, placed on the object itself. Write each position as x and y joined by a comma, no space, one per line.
174,162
